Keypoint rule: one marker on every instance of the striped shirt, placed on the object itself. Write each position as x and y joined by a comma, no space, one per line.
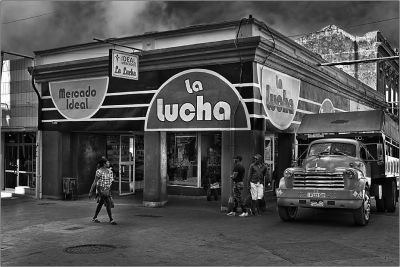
104,178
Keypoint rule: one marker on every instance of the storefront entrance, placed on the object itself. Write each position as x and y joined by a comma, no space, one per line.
20,159
126,156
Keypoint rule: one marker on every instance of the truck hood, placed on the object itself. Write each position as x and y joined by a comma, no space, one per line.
327,163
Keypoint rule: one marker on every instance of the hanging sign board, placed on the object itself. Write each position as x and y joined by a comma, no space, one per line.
124,65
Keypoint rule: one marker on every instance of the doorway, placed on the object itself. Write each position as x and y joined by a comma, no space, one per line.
126,156
20,159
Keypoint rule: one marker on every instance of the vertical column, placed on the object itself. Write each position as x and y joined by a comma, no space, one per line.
226,167
155,169
38,183
2,170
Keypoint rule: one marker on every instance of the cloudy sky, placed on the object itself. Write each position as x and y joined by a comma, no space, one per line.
28,26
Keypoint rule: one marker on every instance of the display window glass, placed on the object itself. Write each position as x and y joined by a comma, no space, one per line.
194,159
210,159
182,159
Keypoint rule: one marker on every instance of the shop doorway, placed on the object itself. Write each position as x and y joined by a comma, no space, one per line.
20,159
126,181
270,158
126,156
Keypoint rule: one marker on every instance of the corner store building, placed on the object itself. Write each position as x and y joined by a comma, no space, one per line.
205,93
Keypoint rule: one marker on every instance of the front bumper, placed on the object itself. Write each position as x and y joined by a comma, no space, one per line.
312,198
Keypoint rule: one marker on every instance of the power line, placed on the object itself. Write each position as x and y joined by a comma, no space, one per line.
351,26
8,22
371,22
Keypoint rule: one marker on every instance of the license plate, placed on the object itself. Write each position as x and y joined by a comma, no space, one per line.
316,195
317,203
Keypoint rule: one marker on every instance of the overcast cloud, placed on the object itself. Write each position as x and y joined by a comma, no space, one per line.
74,22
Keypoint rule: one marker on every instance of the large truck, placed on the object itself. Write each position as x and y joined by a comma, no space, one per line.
344,159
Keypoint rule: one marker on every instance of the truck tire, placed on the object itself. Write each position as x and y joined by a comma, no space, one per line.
287,214
390,196
362,214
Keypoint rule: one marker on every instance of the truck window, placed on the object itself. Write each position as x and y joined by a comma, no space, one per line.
333,149
363,153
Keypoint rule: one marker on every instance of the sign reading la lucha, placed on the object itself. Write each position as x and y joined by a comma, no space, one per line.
78,99
280,96
197,99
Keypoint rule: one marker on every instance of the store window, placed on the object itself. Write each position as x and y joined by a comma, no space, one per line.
182,159
194,159
210,159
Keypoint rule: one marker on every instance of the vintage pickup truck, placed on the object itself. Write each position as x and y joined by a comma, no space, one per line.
345,159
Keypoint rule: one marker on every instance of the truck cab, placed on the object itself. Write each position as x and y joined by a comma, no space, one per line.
343,159
332,175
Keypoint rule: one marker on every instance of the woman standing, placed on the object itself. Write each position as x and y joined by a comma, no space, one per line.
102,183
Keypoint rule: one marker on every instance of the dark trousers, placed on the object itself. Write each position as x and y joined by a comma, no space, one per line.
237,196
212,192
104,200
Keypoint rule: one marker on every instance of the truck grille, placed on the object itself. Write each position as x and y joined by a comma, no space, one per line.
319,180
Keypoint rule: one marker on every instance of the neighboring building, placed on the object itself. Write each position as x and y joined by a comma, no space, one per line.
19,125
204,94
335,45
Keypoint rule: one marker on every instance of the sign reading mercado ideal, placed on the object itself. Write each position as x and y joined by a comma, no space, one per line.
79,99
280,96
197,99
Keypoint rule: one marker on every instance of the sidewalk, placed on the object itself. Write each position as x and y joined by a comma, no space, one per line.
188,231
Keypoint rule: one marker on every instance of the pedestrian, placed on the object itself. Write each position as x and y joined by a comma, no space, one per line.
238,185
102,183
257,172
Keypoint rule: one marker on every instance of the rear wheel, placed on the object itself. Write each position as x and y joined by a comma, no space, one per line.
362,214
390,196
287,213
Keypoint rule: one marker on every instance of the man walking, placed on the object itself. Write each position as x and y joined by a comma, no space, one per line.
257,171
237,180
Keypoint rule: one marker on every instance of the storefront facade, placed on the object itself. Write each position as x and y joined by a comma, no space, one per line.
203,95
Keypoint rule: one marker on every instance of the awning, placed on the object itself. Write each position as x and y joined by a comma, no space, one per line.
355,122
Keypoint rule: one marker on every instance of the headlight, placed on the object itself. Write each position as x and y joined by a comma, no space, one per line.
350,174
288,173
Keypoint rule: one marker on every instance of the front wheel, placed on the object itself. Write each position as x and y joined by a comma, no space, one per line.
362,214
287,213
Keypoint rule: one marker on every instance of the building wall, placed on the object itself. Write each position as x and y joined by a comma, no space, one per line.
19,102
334,45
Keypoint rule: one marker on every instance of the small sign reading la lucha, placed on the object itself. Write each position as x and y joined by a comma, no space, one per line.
197,99
79,99
124,65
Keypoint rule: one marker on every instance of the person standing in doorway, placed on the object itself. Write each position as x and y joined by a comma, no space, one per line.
257,172
102,183
238,185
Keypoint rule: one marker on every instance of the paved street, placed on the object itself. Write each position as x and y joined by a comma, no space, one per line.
188,231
